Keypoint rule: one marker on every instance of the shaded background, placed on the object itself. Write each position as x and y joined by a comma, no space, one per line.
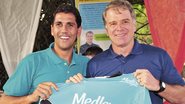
44,38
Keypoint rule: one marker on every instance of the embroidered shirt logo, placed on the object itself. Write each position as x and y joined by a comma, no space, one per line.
131,82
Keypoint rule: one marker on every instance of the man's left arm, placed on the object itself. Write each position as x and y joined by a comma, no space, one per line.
173,93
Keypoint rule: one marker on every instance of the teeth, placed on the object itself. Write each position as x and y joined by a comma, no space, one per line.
120,34
63,37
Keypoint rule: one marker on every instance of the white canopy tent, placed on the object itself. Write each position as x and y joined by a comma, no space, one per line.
18,26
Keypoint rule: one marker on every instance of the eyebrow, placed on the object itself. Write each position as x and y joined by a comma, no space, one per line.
126,19
66,22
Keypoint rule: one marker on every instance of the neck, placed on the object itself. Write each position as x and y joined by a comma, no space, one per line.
64,54
89,43
123,50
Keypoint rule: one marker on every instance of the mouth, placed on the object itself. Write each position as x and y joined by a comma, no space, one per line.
64,37
120,35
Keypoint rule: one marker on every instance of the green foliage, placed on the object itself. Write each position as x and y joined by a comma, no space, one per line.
142,33
44,38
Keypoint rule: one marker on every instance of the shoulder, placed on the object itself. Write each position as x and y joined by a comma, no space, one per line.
81,58
155,54
100,57
95,44
153,49
83,45
35,56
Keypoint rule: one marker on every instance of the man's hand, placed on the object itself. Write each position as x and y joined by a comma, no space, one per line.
42,91
75,79
145,78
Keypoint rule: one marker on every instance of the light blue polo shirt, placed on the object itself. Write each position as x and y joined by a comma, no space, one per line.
118,90
43,66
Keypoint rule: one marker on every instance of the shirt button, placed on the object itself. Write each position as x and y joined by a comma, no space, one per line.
68,72
65,63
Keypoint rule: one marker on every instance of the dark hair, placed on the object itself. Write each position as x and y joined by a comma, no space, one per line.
124,4
94,50
89,32
67,8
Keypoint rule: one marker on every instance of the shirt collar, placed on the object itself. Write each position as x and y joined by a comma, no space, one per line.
56,59
137,49
112,53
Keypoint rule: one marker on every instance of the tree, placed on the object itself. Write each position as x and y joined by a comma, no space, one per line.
142,33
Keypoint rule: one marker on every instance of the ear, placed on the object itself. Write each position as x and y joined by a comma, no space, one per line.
134,23
52,30
106,30
79,31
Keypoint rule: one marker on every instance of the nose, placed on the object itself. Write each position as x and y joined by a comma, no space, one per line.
119,27
64,28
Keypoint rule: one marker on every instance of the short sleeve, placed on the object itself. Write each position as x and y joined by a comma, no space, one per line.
170,74
19,84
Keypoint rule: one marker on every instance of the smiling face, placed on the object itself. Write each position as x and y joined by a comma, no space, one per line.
89,38
64,30
120,27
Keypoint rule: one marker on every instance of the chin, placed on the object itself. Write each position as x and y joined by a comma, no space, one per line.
122,44
66,47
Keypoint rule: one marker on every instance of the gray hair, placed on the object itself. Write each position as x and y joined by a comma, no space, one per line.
124,4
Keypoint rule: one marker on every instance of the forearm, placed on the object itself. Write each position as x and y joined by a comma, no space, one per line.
174,94
4,99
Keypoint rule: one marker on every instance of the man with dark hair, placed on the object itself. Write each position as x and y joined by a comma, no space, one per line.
38,72
89,42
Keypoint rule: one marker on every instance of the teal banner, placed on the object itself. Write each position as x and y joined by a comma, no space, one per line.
118,90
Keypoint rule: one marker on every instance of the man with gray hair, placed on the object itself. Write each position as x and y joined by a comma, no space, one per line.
152,66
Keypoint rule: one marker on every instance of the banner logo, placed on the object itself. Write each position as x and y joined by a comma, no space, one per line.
84,100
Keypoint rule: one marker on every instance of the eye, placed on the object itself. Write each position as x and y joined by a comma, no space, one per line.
70,25
112,24
58,24
125,22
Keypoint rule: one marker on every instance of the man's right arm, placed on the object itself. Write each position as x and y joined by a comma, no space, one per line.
42,91
5,99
